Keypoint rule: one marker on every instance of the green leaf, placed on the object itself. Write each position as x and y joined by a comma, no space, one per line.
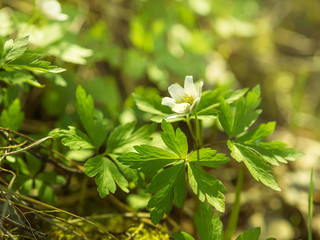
92,120
107,175
169,184
1,50
125,135
150,159
182,236
273,152
45,192
208,158
72,138
206,187
12,117
208,225
149,100
14,49
30,61
257,166
210,100
164,199
18,78
51,178
245,113
176,141
252,234
33,163
259,133
225,117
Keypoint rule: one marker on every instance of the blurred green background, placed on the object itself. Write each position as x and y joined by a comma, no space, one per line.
116,47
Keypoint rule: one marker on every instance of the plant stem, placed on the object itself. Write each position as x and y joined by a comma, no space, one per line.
191,129
197,130
197,135
234,216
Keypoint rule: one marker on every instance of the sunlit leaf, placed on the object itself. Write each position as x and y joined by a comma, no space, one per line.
107,175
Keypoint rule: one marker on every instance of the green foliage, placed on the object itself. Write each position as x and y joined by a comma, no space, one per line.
107,175
182,236
149,100
258,168
125,135
156,44
252,234
245,114
208,225
206,187
72,138
248,147
14,49
91,119
12,117
168,172
31,179
167,184
14,60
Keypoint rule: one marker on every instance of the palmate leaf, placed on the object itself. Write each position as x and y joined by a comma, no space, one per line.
168,171
14,49
169,183
208,158
125,135
210,101
206,187
30,61
274,152
148,159
208,225
257,166
176,141
107,175
14,58
245,113
91,119
72,138
246,146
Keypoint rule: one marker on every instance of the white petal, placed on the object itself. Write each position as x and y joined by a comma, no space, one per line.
176,91
174,115
62,17
181,108
189,87
200,89
195,104
168,101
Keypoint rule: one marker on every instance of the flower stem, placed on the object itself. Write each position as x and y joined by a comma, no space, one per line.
197,135
234,216
197,130
191,129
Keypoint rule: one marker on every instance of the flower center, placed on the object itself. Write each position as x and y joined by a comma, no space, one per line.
185,99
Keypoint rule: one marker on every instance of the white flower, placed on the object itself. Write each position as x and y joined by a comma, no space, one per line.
51,9
183,101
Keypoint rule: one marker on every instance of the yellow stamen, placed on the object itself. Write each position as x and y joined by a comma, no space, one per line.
185,99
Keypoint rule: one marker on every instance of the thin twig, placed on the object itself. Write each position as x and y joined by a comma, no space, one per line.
61,211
